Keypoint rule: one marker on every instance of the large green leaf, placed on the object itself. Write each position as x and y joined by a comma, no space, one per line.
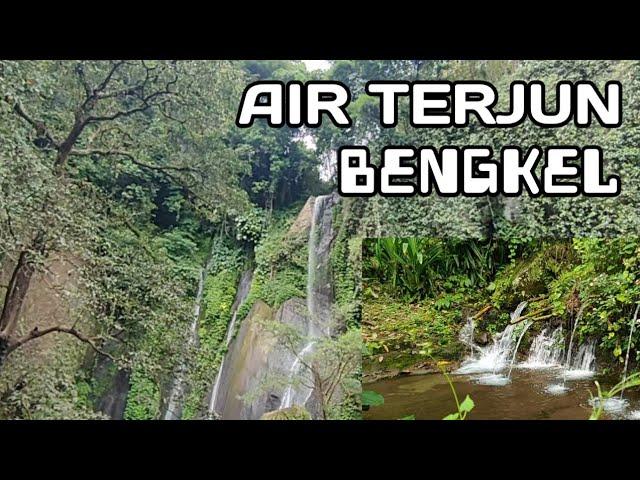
371,398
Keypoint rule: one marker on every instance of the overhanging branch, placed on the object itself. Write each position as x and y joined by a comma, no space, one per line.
37,333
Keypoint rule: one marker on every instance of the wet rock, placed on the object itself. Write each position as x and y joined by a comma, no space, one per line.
482,338
253,353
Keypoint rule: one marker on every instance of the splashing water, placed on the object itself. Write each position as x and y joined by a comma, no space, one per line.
556,389
546,350
613,405
584,364
466,336
496,356
515,350
573,332
634,415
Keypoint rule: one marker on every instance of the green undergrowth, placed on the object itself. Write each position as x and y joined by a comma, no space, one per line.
280,264
599,277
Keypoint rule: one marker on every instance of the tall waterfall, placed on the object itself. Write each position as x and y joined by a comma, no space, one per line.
319,300
177,392
241,295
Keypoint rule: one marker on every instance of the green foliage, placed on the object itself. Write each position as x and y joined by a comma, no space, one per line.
420,267
417,330
143,401
219,294
280,265
632,381
346,261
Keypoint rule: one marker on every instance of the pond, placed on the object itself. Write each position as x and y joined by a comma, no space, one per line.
525,397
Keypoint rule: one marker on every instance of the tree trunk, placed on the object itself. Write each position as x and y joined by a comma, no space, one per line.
16,293
15,296
4,346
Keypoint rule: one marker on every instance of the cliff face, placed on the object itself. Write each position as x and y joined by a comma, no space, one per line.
253,355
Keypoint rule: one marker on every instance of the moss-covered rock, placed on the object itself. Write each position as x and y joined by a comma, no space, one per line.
295,412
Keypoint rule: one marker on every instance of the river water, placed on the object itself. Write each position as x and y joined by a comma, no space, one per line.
526,397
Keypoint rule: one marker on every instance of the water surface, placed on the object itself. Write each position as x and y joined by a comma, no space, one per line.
526,397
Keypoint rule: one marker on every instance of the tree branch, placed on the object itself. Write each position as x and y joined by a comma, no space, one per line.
36,333
38,125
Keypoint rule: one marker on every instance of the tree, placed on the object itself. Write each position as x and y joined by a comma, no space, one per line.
75,130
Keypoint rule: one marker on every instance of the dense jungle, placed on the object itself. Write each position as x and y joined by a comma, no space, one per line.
154,257
158,262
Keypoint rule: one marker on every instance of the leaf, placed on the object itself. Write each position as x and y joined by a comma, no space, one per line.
467,404
408,417
452,416
371,398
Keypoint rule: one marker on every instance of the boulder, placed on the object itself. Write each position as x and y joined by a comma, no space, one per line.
292,413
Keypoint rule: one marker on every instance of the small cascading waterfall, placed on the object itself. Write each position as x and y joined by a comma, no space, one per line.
626,358
583,364
241,295
176,395
515,350
495,357
573,332
466,336
546,350
319,299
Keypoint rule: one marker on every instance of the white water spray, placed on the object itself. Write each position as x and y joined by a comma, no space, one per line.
495,357
546,350
515,350
290,394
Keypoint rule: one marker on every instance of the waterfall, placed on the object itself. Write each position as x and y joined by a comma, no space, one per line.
573,331
583,365
496,356
241,295
177,391
626,359
515,350
546,350
466,336
319,297
289,394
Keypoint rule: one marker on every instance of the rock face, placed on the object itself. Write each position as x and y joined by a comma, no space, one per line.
300,227
253,354
482,338
114,401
